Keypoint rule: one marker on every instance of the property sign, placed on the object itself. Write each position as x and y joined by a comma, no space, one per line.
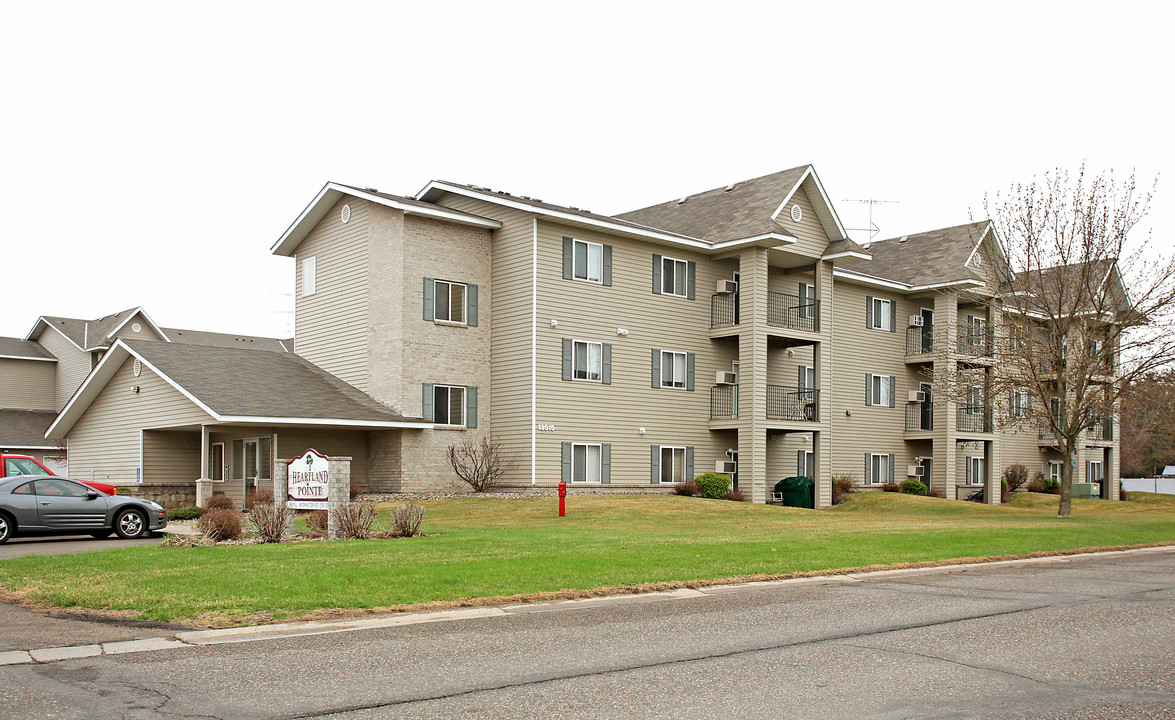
308,480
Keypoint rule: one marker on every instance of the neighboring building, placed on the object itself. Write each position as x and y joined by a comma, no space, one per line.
739,325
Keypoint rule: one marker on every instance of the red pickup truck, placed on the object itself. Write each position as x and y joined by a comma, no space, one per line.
15,465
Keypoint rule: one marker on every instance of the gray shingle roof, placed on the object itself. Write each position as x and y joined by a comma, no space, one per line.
25,428
718,215
926,258
412,201
201,337
91,334
241,382
15,347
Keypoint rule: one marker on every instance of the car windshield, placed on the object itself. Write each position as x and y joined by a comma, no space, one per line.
22,466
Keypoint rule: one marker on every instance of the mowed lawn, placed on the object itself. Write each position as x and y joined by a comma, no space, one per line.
484,548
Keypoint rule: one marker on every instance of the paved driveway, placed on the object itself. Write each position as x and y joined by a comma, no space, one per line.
66,545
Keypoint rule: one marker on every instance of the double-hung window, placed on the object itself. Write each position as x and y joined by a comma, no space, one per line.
448,404
878,468
449,305
1020,403
1055,470
1094,472
673,464
880,389
673,369
588,262
975,474
674,276
587,360
585,463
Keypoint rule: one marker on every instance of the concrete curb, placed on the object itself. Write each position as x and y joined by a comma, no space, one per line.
199,638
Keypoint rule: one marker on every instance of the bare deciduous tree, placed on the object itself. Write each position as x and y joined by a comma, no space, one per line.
1148,424
481,464
1086,309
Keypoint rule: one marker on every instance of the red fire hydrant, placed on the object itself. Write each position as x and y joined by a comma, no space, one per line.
562,498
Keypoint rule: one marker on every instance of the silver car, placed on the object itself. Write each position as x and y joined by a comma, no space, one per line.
50,505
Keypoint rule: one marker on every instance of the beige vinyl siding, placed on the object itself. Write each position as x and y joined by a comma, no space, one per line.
104,444
127,331
171,456
27,384
73,365
589,412
331,324
809,231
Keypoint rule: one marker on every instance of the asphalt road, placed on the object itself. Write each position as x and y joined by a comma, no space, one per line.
1090,637
67,544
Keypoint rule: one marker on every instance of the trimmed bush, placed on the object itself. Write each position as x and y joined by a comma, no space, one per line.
259,497
406,520
220,524
1005,496
842,487
1036,484
1015,476
270,521
713,485
689,488
221,502
184,513
913,486
737,496
1052,486
891,487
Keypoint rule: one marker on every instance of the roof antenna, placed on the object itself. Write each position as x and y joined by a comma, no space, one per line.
873,230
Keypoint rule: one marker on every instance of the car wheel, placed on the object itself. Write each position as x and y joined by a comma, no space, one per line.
6,527
100,534
130,524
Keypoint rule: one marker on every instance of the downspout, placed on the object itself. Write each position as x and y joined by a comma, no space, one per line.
534,345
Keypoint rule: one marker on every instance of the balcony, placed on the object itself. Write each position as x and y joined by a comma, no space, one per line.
1102,429
724,402
920,340
975,344
1045,437
918,419
973,418
783,310
792,403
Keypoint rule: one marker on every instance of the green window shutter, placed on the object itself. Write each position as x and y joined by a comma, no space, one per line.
893,316
606,364
893,389
471,311
869,311
566,464
689,371
471,406
429,287
567,358
655,464
426,405
691,279
607,265
891,467
656,274
568,258
606,463
868,389
656,368
868,470
689,462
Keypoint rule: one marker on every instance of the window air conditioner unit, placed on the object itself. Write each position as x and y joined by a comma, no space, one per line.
724,378
916,321
725,466
915,471
727,286
917,396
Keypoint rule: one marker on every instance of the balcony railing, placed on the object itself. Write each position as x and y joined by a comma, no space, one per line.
1102,429
919,340
975,343
973,418
724,402
916,419
1046,433
792,403
723,310
792,312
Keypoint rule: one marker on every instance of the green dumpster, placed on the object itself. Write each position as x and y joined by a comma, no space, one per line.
796,492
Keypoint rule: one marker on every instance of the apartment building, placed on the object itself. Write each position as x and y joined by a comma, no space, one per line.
737,328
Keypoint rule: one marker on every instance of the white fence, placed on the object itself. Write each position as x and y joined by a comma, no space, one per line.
1165,486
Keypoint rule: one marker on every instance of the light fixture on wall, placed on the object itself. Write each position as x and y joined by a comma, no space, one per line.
554,323
848,413
641,431
791,352
621,332
134,388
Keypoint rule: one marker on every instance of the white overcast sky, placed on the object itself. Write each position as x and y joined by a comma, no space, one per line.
152,153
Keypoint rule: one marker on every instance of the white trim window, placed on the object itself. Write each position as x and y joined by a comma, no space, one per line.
807,377
673,464
1020,403
588,261
309,276
1094,471
878,471
975,470
586,462
448,404
587,360
1055,470
449,301
879,390
673,369
807,296
674,277
882,314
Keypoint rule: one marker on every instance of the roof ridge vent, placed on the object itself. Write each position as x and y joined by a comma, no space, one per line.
903,238
730,187
682,201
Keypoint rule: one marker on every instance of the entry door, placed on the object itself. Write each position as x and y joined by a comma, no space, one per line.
927,330
734,390
216,462
926,463
927,407
734,475
736,295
